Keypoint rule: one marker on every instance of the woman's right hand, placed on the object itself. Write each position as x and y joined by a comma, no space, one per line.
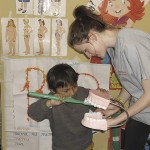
110,111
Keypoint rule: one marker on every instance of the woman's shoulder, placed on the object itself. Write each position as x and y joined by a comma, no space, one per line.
131,35
131,32
126,31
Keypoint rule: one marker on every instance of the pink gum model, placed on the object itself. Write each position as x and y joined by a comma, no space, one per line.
98,99
94,120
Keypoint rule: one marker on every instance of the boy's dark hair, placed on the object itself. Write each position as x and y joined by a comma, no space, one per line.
61,75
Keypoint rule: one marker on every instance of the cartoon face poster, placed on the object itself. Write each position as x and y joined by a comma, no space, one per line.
119,12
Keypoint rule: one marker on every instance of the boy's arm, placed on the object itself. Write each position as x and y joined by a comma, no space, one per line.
42,108
39,111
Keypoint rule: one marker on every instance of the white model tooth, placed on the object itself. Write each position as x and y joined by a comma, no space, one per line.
95,120
98,113
86,101
103,107
99,121
89,119
95,105
92,103
98,106
86,114
93,114
89,98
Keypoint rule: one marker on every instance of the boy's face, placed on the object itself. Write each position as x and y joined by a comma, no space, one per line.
67,91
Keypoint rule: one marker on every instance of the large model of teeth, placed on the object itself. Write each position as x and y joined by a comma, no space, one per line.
95,98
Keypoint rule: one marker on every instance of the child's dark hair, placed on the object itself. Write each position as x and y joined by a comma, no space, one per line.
61,75
85,21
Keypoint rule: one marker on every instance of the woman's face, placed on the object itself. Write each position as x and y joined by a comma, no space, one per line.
92,48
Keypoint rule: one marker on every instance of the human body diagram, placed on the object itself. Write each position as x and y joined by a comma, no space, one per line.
50,7
56,4
42,30
23,5
11,34
58,35
27,31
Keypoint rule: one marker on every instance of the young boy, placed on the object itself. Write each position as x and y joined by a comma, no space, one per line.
65,118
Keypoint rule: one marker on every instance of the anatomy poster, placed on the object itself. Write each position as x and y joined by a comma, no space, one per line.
9,36
59,37
42,36
93,5
26,33
55,8
24,6
30,75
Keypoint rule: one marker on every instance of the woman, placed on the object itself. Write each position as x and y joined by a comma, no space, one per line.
41,34
27,32
129,50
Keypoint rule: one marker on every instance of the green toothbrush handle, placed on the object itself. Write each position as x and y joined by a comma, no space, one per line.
53,97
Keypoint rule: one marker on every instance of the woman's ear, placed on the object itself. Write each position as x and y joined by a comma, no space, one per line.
92,36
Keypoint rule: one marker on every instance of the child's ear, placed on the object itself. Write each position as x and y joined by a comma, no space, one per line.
92,36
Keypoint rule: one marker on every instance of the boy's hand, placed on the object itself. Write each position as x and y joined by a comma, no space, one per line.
51,103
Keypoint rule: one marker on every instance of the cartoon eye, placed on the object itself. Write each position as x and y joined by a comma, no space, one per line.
110,4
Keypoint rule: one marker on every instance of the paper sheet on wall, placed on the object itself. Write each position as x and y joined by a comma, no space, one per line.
23,75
